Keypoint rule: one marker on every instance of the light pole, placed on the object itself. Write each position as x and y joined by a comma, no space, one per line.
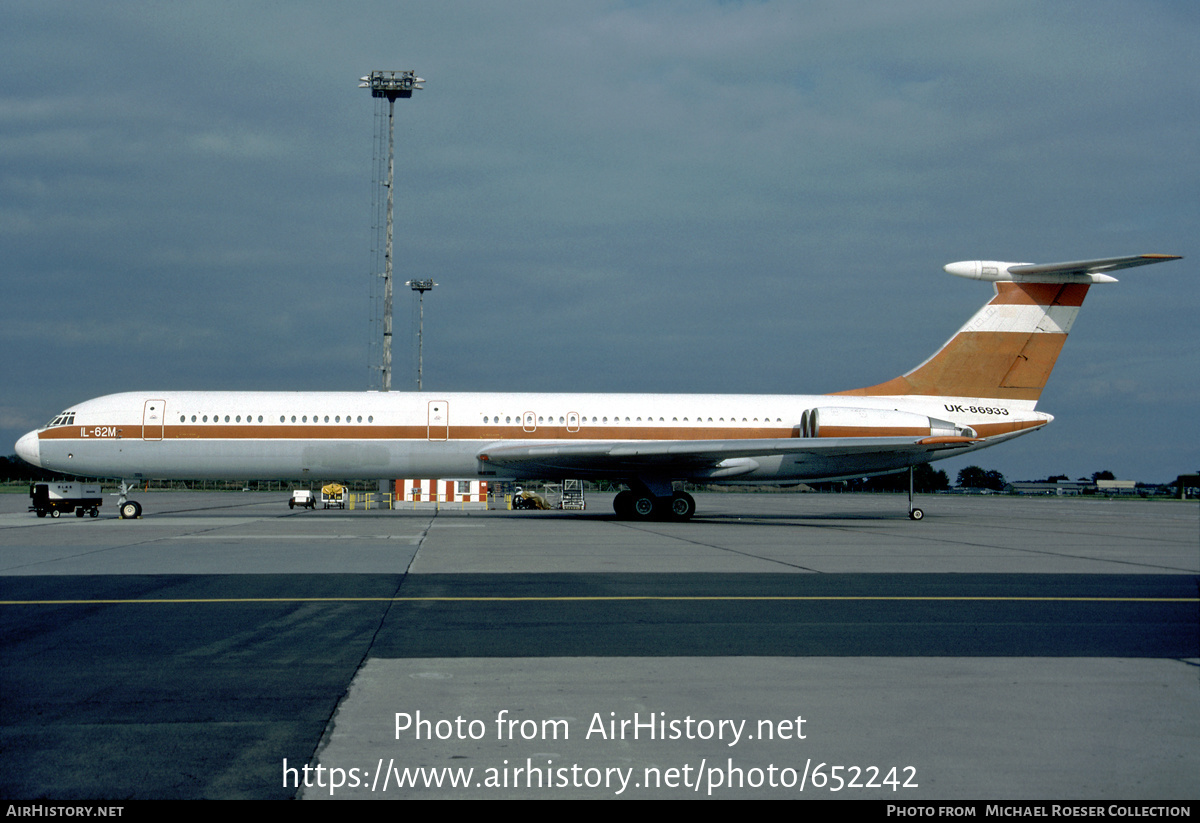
420,286
389,84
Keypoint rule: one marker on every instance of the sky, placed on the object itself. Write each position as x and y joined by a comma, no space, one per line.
750,197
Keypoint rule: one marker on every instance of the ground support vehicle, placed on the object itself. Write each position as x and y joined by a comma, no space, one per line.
333,496
55,498
528,500
302,498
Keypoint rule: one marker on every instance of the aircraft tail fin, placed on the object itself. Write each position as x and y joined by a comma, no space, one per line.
1008,348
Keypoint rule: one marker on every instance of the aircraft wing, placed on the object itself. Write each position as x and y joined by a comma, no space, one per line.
704,458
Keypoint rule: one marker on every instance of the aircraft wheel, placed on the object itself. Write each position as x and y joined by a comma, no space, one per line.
94,512
623,504
645,507
130,510
683,506
916,514
55,513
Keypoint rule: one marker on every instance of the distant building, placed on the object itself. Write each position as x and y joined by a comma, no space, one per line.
1106,487
1041,487
433,493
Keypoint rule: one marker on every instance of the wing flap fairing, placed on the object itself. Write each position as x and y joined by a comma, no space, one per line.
700,458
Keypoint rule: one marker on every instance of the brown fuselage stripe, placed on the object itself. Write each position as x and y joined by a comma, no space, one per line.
494,433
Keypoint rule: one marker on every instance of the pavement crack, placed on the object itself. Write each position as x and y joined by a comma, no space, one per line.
719,548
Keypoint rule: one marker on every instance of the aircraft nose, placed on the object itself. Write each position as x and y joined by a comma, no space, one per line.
29,449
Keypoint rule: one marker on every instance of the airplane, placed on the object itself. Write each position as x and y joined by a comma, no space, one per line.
979,389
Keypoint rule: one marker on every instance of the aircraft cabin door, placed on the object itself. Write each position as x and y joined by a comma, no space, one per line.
439,420
153,415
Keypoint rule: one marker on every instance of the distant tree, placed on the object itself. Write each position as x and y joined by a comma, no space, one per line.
1104,475
1056,478
13,469
928,479
973,477
925,480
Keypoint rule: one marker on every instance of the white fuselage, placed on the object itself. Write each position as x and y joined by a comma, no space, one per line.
349,435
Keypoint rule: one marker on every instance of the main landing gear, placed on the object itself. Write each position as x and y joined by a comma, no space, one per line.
635,504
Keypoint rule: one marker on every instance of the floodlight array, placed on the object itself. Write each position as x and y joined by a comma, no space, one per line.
391,84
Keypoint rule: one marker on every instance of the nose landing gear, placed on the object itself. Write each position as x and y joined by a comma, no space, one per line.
128,509
913,512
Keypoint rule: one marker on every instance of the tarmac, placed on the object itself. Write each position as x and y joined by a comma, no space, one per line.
778,645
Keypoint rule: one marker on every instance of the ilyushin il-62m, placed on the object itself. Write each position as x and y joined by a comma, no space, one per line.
979,389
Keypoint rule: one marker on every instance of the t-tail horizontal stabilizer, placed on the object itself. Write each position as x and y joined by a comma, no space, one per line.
1008,349
1078,271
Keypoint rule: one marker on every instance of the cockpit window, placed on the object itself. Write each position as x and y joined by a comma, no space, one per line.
64,419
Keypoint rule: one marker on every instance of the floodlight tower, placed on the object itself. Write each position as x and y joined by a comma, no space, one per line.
420,286
391,85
